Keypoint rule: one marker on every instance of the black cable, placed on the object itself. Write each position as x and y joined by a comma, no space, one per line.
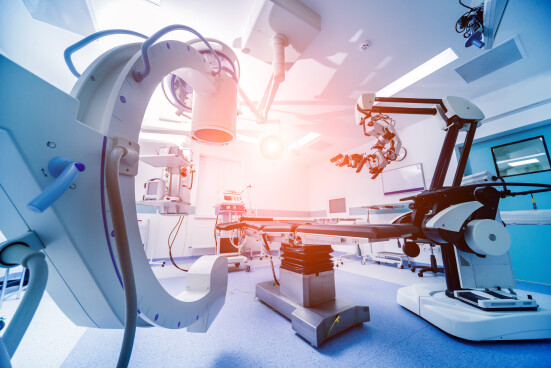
468,7
171,243
504,194
215,238
529,192
271,261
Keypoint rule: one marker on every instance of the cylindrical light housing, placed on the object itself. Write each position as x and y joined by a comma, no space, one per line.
214,114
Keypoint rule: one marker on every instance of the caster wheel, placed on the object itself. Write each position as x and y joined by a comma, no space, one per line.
420,274
261,258
378,262
237,265
401,267
342,263
337,265
247,268
362,262
413,269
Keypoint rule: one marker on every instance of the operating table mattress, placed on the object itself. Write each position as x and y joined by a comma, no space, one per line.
383,231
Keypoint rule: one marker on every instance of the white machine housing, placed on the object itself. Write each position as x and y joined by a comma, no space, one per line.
487,307
105,105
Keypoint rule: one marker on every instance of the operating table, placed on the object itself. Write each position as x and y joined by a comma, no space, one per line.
305,291
478,300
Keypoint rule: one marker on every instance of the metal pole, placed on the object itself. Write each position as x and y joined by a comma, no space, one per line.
465,155
4,286
21,282
412,100
403,110
445,157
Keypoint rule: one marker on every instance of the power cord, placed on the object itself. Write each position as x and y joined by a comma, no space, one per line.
171,242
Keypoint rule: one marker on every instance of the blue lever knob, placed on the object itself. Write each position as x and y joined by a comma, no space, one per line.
65,171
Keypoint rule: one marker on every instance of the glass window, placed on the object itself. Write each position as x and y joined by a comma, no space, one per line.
522,157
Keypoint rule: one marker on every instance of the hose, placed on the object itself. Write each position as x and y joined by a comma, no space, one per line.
85,41
20,253
123,249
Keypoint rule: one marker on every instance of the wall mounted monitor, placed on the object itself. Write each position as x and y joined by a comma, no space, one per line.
521,157
337,205
405,179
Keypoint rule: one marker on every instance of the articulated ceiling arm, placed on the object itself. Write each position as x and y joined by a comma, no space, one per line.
453,111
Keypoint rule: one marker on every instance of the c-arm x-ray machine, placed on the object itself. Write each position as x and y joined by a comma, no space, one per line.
67,172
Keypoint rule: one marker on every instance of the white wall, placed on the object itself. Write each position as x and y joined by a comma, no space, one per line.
282,187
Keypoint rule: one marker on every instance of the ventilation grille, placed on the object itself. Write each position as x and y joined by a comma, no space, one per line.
499,57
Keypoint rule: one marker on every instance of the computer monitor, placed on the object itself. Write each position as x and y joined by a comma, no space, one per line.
337,207
404,179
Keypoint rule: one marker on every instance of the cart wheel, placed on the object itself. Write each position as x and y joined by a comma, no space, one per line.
413,269
378,262
261,258
342,263
247,268
337,265
363,262
237,265
420,274
401,266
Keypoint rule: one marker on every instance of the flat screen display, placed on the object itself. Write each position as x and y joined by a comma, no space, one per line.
152,187
522,157
337,205
405,179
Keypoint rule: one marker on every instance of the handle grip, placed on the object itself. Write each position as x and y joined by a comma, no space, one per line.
65,171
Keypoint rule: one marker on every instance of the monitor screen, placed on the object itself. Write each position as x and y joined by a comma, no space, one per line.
337,205
405,179
152,187
521,157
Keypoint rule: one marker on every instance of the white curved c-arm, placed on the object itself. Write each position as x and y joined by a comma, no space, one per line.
105,104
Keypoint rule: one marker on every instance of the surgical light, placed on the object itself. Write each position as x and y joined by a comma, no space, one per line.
272,147
524,162
423,70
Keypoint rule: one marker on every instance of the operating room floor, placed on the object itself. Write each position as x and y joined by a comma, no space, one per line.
247,334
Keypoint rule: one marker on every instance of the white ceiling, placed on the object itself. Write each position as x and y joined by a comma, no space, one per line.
320,90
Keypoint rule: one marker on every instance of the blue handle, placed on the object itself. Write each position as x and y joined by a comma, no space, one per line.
66,172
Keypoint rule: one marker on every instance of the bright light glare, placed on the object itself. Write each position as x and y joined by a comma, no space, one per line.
307,139
523,162
271,147
246,138
162,138
427,68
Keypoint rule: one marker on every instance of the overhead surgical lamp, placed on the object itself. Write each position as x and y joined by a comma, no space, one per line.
272,147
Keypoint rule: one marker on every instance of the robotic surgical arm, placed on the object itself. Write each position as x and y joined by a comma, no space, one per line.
387,146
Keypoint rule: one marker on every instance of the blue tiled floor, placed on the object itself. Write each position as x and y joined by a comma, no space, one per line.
247,335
